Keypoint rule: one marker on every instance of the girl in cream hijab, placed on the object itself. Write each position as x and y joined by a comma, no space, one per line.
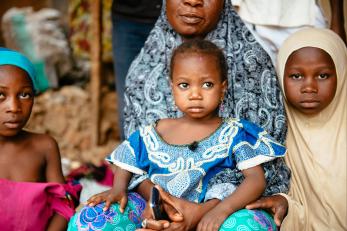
312,67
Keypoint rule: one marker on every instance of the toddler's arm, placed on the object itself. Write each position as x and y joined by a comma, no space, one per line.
249,190
118,193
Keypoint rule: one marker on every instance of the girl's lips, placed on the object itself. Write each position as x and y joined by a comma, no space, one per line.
12,124
195,109
309,104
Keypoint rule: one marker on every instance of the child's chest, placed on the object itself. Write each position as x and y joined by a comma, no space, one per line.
21,165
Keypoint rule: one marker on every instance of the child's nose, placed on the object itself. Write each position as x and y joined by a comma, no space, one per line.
309,86
195,93
13,104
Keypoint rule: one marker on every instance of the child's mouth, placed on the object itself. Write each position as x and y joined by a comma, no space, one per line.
12,124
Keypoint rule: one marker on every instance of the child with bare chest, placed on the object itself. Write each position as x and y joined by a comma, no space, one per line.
31,178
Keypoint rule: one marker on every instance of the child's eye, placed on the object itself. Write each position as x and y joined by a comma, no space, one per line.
25,95
323,76
183,85
207,85
295,76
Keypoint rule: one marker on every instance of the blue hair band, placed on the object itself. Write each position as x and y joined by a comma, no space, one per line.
12,57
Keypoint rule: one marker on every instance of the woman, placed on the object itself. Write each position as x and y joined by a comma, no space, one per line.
253,92
316,139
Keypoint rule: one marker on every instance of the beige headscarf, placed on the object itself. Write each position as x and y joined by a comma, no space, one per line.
317,144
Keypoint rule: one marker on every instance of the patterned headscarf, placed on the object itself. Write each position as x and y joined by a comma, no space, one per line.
12,57
253,92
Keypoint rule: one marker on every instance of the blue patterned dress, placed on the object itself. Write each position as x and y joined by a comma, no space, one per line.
186,173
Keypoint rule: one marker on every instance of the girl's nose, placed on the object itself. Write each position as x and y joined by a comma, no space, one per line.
195,94
13,105
309,86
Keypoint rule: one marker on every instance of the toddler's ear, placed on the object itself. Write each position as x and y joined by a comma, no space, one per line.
225,86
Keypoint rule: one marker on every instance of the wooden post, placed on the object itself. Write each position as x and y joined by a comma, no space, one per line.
95,56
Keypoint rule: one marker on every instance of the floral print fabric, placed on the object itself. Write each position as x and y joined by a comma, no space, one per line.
94,218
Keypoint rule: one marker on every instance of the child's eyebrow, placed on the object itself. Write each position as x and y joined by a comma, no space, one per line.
318,66
23,87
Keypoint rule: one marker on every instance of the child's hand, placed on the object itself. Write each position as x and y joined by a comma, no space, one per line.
212,220
109,197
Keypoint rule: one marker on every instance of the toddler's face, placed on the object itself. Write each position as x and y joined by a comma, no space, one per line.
310,80
197,85
16,99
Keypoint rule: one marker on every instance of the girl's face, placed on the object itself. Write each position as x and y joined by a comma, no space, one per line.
16,99
197,85
193,18
310,80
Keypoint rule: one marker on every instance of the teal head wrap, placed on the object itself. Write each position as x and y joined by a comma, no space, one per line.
12,57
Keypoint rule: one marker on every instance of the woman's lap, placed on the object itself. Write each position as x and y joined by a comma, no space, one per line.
248,220
93,218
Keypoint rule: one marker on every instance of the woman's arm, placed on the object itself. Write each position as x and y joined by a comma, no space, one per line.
277,205
144,189
288,213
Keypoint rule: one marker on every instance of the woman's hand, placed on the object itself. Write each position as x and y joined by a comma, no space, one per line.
277,205
183,215
109,197
171,211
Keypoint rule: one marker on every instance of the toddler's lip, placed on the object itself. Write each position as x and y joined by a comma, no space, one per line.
195,109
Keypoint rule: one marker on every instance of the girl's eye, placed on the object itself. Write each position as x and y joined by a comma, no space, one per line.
207,85
25,95
295,76
183,85
323,76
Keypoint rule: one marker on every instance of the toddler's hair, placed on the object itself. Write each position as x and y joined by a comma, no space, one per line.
200,46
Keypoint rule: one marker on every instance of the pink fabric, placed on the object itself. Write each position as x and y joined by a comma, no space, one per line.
108,179
28,206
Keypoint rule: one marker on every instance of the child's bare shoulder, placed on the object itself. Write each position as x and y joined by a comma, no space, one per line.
43,142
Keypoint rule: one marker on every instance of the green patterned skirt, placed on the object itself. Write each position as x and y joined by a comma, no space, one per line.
94,218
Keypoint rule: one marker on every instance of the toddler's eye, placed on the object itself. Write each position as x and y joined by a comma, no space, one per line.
207,85
25,95
323,76
295,76
183,85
